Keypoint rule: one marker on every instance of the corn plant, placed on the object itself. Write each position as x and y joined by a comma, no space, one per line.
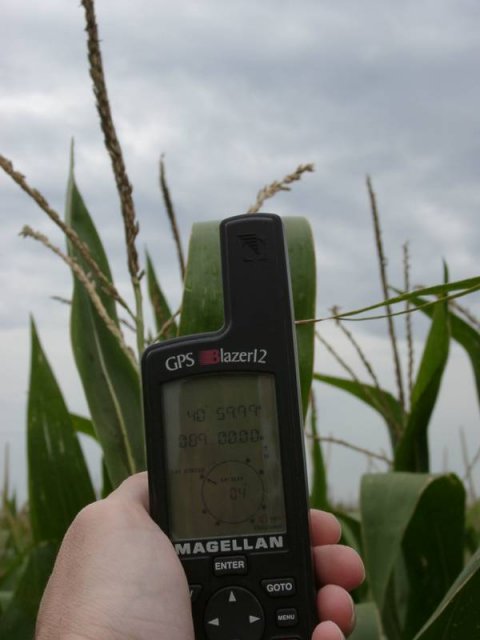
15,539
410,529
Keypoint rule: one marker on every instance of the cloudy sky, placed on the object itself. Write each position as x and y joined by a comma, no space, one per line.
237,94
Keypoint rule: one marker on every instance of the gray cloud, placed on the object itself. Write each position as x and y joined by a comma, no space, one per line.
238,94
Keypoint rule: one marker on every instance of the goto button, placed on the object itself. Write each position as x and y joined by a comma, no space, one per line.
279,587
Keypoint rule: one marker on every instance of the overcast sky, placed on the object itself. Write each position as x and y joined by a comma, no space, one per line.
237,94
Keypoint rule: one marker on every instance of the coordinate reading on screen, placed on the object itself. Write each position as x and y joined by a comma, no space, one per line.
223,455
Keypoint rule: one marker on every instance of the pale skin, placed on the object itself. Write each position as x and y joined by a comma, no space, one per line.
117,576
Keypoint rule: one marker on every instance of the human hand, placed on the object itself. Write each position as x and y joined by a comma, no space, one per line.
338,570
117,576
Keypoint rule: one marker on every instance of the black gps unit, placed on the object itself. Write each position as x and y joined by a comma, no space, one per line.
225,449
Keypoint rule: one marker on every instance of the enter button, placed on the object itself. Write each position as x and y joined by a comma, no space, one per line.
230,565
286,617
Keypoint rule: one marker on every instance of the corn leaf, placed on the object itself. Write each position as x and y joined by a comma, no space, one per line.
319,487
83,425
161,310
466,286
458,615
12,569
352,537
412,452
368,624
301,256
414,522
107,486
55,458
380,400
5,598
464,334
17,622
469,338
433,548
202,306
110,381
351,529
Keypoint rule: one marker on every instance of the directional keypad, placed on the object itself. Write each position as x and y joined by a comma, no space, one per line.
234,613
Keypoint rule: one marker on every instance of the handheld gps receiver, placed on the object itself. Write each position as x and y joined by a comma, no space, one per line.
225,449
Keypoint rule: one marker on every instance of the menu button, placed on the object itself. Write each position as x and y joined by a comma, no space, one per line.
287,617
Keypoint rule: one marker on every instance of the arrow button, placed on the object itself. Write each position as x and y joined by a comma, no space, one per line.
234,612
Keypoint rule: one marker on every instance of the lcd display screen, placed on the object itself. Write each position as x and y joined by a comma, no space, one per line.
223,456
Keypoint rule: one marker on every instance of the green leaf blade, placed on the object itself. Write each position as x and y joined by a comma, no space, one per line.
83,425
464,287
161,309
301,258
412,452
18,620
202,305
382,401
368,624
55,458
469,339
458,615
463,333
433,547
110,381
319,488
413,533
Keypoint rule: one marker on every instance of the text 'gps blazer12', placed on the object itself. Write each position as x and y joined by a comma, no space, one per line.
225,449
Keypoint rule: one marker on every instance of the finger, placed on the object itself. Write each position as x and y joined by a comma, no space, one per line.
338,564
327,631
133,489
324,528
336,604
